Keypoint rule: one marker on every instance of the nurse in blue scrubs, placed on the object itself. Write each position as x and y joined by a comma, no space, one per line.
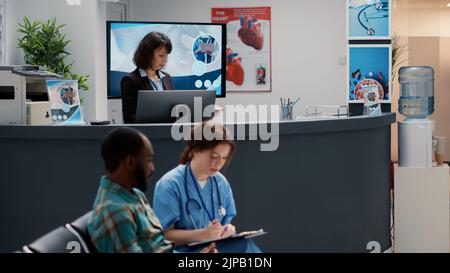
194,201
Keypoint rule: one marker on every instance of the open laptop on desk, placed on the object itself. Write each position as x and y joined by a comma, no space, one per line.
156,106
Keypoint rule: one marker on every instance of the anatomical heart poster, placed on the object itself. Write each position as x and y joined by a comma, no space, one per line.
248,49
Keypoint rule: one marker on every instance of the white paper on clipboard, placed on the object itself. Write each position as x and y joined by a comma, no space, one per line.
244,234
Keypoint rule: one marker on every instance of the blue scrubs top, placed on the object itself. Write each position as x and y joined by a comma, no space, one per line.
170,198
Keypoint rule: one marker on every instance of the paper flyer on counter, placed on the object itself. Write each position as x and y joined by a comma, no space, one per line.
64,102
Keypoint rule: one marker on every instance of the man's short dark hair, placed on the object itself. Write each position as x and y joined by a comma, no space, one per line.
144,53
118,144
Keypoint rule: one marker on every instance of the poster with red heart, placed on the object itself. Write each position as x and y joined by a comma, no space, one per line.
248,52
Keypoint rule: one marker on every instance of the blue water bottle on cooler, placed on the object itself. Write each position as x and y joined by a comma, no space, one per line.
416,91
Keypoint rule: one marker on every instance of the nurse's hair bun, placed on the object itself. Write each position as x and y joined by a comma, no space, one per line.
207,136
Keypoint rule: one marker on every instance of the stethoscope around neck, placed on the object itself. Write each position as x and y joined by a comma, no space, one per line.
222,211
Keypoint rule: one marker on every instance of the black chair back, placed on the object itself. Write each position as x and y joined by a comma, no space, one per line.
60,240
80,225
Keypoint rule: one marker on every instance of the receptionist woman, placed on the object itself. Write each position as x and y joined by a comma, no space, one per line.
150,58
194,201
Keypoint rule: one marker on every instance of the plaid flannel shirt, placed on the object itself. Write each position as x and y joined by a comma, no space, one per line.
125,222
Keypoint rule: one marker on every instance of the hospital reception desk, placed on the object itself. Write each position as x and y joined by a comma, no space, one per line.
325,189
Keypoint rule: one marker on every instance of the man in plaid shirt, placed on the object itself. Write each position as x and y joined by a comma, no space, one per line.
122,219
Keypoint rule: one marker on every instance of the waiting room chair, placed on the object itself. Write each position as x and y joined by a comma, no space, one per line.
80,227
71,238
60,240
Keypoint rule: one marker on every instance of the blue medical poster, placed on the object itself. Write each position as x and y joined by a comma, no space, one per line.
369,70
368,19
64,102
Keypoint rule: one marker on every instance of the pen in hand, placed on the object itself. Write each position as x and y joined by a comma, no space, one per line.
228,230
213,231
224,231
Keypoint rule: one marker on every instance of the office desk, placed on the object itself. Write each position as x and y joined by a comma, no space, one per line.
326,188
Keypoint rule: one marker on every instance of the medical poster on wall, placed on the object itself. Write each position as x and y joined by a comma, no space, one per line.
369,71
368,19
64,102
248,52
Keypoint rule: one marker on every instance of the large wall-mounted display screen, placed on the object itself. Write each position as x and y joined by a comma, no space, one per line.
195,63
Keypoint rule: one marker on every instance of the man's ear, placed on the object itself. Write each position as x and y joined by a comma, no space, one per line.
130,162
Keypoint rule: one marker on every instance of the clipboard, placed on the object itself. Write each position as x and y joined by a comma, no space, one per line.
244,234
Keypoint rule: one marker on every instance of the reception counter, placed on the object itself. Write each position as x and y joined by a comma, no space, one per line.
325,189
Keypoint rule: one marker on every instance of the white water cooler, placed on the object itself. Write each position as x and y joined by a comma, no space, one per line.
421,191
415,143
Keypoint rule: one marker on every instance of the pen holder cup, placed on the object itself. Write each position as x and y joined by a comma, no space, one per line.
286,112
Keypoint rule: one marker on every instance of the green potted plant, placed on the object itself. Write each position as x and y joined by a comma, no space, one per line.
44,44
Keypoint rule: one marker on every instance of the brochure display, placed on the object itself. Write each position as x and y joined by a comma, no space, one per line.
64,102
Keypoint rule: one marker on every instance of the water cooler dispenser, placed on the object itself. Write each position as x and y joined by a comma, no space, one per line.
416,103
421,191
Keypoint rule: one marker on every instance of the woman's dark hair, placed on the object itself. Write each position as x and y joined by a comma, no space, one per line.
120,143
144,53
199,140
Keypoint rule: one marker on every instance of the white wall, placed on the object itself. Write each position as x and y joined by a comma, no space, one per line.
85,27
307,39
101,109
422,18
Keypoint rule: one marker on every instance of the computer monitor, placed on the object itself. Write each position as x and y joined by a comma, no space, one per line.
156,106
197,60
